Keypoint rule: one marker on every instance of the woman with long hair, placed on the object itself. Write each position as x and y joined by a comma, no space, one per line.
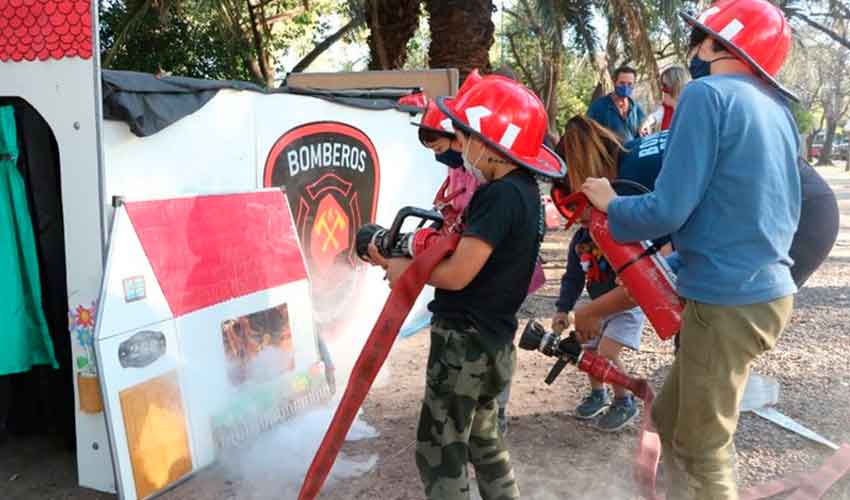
591,150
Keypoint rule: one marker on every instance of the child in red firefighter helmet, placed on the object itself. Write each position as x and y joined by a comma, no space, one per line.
500,126
437,133
729,194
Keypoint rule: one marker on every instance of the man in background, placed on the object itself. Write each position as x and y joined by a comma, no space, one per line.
617,111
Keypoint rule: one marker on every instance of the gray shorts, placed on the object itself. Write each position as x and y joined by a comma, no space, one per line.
624,328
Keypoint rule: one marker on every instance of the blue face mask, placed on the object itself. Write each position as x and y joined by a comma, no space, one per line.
623,90
450,158
700,67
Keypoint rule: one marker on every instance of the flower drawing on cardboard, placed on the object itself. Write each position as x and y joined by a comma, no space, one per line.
81,324
258,346
81,320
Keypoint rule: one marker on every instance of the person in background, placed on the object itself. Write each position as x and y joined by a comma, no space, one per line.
673,80
507,72
617,111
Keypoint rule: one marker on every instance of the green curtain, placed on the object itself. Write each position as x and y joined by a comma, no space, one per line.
24,336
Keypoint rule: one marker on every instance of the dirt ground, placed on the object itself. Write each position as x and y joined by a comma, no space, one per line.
554,455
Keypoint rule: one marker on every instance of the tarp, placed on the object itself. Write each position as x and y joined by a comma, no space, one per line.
148,103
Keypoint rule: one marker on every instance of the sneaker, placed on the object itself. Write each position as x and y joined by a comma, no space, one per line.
503,422
619,415
595,403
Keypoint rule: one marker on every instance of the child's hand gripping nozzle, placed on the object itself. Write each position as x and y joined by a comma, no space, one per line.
427,246
568,350
645,274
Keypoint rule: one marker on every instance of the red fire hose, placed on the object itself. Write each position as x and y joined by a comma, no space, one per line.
380,340
372,357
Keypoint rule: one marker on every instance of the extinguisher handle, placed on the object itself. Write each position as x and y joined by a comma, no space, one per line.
569,205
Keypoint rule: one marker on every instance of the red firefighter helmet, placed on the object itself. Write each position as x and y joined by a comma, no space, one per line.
507,117
755,31
416,101
434,120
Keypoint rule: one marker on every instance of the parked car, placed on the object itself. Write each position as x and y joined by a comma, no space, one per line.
839,148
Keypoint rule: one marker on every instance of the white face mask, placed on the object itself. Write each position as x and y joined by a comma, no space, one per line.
471,166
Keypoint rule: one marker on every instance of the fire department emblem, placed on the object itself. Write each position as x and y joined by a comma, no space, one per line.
330,174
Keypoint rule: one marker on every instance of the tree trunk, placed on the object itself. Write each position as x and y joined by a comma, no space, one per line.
612,48
461,34
391,25
549,94
847,160
259,46
826,152
810,139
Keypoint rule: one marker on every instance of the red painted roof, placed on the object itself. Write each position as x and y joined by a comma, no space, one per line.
45,29
206,250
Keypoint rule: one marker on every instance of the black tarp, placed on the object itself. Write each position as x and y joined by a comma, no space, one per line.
149,104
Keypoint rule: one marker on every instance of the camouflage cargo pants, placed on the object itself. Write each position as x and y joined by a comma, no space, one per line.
458,424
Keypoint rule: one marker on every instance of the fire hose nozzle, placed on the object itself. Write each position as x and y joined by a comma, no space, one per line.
569,351
393,242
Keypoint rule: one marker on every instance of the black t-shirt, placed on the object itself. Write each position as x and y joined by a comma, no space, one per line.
507,214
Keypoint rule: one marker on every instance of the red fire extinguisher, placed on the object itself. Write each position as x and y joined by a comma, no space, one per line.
646,275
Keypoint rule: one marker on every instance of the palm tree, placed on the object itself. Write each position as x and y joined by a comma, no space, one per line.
461,34
540,26
630,25
391,24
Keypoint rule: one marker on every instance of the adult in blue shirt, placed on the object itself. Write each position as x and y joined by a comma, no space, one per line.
617,111
729,194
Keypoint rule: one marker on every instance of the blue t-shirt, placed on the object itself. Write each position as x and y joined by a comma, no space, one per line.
728,192
642,160
604,111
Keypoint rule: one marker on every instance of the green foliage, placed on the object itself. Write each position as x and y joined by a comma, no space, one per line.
301,32
575,88
184,42
417,47
523,50
214,39
804,117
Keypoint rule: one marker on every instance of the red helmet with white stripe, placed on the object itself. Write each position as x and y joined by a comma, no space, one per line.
755,31
434,120
507,117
